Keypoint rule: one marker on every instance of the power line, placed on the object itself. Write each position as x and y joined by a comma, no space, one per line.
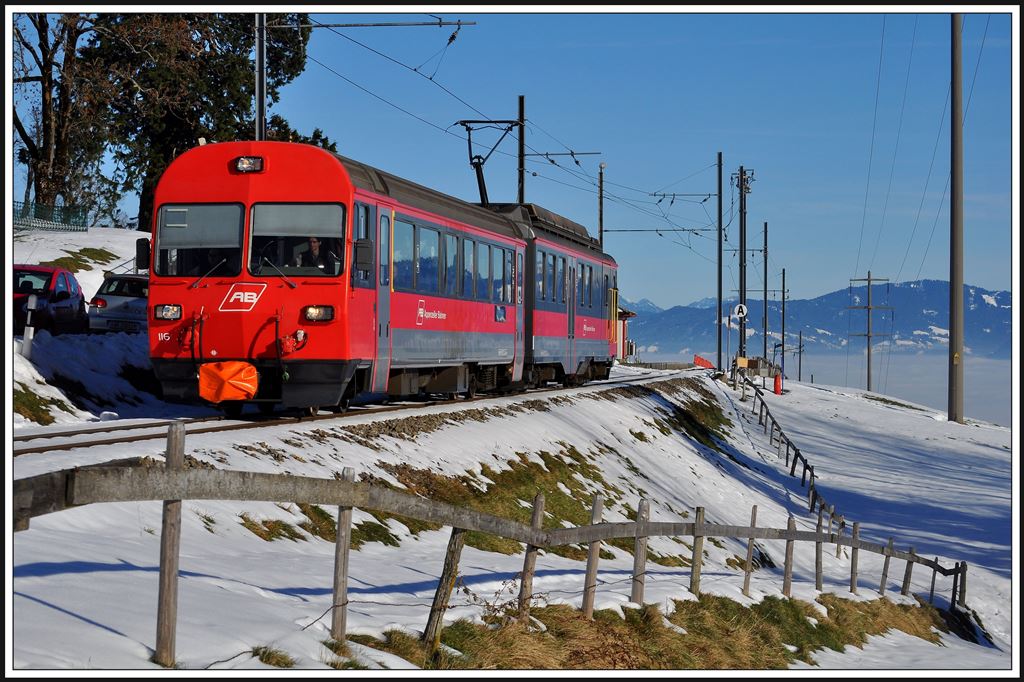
871,154
896,147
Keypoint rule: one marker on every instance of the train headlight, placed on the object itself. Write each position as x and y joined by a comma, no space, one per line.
167,312
249,164
318,313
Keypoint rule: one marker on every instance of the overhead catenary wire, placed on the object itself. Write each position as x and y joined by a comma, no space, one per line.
871,152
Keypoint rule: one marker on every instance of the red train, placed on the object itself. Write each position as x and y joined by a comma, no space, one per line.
281,273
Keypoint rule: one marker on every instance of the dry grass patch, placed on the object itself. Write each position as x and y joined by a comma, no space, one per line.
270,529
273,657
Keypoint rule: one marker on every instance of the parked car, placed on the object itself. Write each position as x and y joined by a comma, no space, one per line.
60,303
120,304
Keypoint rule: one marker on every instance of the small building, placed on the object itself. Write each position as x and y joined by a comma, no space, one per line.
624,347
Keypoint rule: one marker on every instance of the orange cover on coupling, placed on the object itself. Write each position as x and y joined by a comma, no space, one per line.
233,380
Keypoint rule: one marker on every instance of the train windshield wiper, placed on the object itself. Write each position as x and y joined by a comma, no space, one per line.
196,283
283,276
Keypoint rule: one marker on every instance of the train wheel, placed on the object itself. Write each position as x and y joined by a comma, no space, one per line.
470,388
342,406
267,408
311,411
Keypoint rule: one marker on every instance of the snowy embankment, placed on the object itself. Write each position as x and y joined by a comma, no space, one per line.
87,577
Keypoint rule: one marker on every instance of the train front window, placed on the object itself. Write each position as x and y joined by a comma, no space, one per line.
297,240
193,240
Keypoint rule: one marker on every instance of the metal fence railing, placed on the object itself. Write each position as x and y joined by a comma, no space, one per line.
33,216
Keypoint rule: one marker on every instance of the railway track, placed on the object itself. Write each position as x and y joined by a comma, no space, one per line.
150,430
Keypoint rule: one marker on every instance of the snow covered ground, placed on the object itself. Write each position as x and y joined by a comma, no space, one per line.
82,584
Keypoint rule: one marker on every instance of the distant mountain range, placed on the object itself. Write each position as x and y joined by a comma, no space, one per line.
918,322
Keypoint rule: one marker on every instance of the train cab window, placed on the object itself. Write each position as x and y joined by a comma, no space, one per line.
187,235
427,259
483,272
297,240
385,250
468,250
561,279
403,243
451,265
362,221
541,279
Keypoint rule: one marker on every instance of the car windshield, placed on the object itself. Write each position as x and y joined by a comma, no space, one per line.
196,240
119,286
31,281
306,240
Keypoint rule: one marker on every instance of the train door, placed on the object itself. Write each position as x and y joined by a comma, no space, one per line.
517,366
570,289
382,364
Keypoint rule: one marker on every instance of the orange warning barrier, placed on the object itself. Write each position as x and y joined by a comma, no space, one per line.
701,362
232,380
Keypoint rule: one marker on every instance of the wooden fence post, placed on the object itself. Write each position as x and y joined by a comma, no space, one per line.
530,562
787,575
931,593
803,474
778,452
796,456
342,544
853,556
817,551
812,496
698,551
590,582
787,453
963,583
906,575
840,525
885,567
170,545
640,553
956,586
432,633
748,566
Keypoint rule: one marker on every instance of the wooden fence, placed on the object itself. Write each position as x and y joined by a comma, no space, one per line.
125,481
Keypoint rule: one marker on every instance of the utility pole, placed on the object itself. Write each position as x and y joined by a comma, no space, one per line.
869,308
956,238
783,372
719,319
765,264
743,184
261,77
521,195
600,204
800,361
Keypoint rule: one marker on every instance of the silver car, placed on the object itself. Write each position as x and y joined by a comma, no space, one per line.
120,304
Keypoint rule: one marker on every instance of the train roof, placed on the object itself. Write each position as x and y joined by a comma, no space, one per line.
512,220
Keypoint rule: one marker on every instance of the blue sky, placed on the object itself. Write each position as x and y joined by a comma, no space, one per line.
845,186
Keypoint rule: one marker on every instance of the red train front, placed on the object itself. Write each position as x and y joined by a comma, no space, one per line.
240,309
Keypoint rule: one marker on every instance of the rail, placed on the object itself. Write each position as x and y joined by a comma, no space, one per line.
129,480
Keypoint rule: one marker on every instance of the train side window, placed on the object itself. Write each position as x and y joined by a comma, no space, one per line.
483,272
519,280
468,249
579,285
403,243
550,274
561,279
497,291
427,259
590,287
451,265
385,249
541,279
509,276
